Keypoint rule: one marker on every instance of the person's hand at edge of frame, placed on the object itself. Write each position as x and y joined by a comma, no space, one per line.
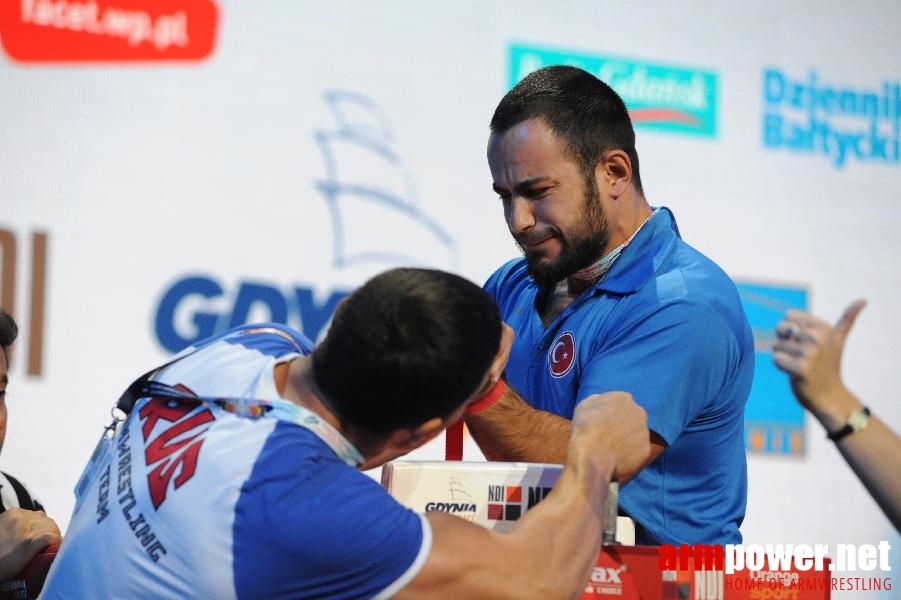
810,350
23,534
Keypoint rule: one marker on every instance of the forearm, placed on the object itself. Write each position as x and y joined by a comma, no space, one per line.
550,551
832,409
568,524
511,430
548,554
874,455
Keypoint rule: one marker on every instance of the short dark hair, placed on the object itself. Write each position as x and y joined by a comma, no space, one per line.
584,111
8,332
407,346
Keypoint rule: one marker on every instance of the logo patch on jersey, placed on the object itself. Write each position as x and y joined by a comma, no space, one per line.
562,354
172,455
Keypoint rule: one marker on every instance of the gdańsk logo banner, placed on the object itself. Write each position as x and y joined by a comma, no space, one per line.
662,97
54,31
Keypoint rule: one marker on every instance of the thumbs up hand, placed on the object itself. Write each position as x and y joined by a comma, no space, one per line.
810,350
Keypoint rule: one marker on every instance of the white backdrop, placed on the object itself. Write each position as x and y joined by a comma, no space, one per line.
321,143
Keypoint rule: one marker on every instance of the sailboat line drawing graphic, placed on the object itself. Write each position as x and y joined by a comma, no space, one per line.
374,208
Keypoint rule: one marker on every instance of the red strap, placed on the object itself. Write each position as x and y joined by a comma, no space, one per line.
453,441
489,399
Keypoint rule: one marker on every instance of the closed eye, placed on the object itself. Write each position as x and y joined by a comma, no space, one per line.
536,193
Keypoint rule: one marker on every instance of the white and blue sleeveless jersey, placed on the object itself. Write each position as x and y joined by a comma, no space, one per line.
197,502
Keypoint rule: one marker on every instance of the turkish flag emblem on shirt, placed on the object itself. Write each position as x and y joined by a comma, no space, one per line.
562,354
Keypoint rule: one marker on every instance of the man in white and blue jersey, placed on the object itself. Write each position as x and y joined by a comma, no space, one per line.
237,471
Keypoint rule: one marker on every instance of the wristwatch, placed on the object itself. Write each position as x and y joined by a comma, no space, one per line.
857,421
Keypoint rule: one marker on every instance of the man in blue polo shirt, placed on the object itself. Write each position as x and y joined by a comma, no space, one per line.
609,297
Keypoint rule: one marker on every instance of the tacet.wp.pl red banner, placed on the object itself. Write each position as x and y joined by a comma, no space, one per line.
55,31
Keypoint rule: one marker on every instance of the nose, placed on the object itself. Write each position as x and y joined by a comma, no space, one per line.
519,214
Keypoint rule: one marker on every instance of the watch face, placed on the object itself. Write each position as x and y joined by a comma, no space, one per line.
858,420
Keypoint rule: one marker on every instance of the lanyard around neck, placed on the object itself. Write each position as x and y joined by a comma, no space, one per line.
276,408
251,408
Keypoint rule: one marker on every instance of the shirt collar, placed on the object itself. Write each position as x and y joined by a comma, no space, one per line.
639,260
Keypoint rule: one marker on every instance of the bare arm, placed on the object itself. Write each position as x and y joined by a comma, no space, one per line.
23,533
512,430
551,550
810,351
507,430
874,455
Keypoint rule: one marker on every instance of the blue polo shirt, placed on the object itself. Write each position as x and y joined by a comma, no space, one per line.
665,324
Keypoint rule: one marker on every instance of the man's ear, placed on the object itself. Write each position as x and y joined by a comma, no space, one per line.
426,432
503,354
614,172
403,441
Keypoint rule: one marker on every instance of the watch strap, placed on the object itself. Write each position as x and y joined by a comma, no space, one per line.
857,421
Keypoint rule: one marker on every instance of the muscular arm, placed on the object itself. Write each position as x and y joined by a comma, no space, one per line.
511,430
550,551
680,335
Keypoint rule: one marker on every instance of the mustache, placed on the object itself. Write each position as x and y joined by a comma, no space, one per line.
534,236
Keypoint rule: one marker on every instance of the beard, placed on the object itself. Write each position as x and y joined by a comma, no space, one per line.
578,249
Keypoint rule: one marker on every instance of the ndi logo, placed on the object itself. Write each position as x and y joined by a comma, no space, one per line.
11,243
662,97
507,502
810,116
